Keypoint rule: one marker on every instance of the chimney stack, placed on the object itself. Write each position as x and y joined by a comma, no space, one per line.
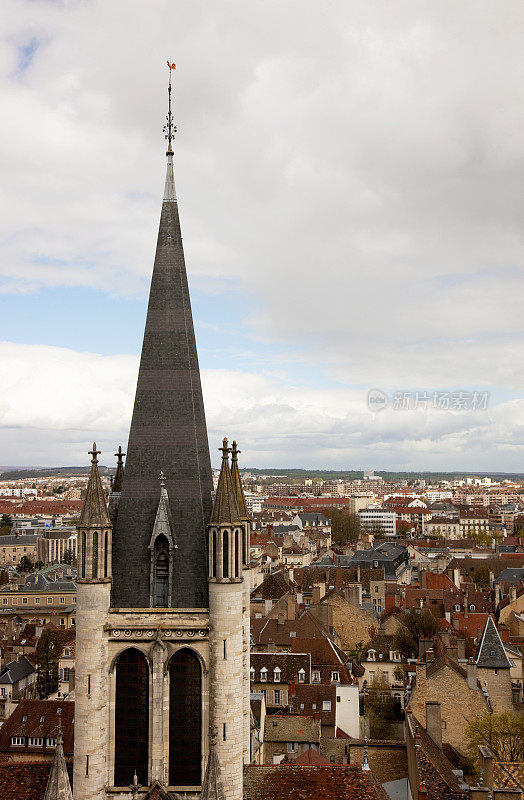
461,649
472,674
291,602
434,721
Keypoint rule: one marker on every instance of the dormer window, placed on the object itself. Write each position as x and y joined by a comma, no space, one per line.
252,673
372,655
335,676
472,607
276,675
457,607
263,674
301,676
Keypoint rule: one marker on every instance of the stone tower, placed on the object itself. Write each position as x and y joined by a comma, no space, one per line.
226,640
246,572
161,658
93,600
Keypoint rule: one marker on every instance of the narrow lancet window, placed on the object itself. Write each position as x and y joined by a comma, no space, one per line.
185,719
94,557
131,718
225,554
161,573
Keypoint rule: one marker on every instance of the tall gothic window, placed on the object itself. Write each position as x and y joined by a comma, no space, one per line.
185,719
161,572
237,555
83,554
94,559
214,555
106,552
245,559
225,554
131,718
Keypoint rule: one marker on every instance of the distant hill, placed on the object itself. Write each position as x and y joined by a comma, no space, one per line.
351,475
50,472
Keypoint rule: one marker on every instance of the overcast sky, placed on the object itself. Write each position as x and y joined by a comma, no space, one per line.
350,178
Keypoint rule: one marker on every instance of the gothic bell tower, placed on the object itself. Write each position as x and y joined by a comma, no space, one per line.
161,657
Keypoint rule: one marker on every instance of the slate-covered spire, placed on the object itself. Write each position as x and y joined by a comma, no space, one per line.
168,432
490,651
212,788
237,483
94,511
225,507
58,785
119,474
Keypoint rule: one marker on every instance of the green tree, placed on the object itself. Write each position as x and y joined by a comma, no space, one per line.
25,564
502,733
47,655
6,524
39,565
345,527
383,709
414,625
482,577
68,557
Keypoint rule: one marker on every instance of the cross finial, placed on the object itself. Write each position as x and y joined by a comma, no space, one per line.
170,128
120,455
225,449
162,479
94,452
235,451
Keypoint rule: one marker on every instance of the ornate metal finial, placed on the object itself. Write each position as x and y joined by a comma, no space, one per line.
225,449
162,479
365,765
120,455
170,128
235,451
94,452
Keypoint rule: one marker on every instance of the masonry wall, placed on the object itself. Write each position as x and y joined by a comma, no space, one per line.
91,691
351,623
498,683
227,669
458,702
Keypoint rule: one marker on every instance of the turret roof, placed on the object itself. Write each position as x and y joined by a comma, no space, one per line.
225,507
94,512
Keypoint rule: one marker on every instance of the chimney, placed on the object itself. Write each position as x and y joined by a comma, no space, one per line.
512,594
472,674
358,573
434,721
461,649
422,579
291,606
281,618
446,639
497,595
319,590
486,766
423,645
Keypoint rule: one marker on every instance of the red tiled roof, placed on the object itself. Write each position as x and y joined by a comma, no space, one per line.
291,782
42,720
25,780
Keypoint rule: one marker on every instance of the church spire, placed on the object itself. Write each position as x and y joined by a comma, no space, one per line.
168,430
58,785
119,474
225,507
94,511
237,482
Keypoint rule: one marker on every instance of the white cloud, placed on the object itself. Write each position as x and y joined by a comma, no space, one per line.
55,401
357,169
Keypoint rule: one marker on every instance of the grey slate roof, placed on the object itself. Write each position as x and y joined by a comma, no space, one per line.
168,433
94,511
510,575
14,671
490,651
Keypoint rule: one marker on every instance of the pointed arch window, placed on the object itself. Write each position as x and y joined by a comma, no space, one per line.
237,555
131,718
185,719
83,554
94,556
214,556
161,572
225,554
